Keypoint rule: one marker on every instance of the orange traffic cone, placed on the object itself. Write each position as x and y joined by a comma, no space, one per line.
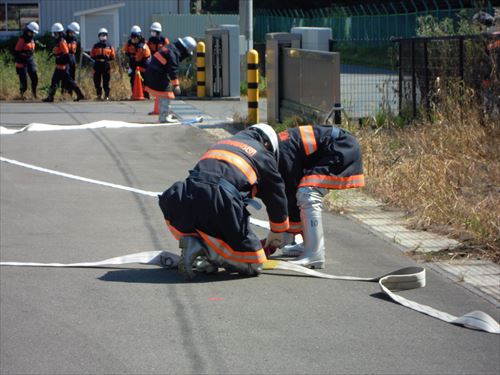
155,109
138,93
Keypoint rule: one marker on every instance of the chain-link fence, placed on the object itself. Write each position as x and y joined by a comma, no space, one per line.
371,82
370,22
427,65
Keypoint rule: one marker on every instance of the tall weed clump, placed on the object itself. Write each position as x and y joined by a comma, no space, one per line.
443,168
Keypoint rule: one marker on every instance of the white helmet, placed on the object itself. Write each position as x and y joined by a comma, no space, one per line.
270,134
189,43
57,28
75,27
135,31
155,26
102,30
33,27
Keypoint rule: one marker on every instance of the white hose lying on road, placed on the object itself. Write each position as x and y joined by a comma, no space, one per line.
402,279
108,124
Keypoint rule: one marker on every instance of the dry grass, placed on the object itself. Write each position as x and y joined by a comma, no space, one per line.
119,84
443,170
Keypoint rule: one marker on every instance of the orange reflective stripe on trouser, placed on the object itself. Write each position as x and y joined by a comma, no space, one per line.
160,94
308,139
279,227
177,233
333,182
224,250
19,65
235,160
295,227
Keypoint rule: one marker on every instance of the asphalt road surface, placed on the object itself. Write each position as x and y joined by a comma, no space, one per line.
146,320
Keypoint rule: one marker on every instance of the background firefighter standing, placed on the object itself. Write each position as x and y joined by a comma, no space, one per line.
138,53
25,62
102,53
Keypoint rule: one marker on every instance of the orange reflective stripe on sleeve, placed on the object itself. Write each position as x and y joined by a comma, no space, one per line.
158,56
279,227
235,160
333,182
224,250
175,82
308,139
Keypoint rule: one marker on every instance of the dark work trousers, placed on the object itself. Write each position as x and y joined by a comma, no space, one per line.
62,76
71,71
102,73
28,69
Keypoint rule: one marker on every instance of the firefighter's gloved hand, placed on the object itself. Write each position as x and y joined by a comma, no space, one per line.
177,90
274,240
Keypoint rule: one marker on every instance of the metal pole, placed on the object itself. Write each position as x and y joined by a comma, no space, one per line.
413,79
200,70
461,58
400,62
426,78
253,86
246,22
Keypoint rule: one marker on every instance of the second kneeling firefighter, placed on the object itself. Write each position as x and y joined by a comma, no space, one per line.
207,211
314,159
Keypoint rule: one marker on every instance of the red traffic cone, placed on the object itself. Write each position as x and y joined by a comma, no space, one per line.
155,110
138,93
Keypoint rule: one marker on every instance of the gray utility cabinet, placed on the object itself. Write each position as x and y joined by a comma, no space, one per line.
222,66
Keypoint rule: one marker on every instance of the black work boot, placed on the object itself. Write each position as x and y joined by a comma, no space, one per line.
50,96
79,94
191,249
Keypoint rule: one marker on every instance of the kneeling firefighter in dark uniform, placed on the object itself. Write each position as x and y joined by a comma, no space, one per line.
207,211
314,159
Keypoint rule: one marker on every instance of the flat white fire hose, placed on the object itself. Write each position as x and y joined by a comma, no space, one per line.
402,279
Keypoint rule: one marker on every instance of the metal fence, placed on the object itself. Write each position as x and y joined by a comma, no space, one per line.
429,64
372,22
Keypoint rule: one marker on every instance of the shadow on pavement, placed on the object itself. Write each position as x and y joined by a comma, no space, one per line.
163,276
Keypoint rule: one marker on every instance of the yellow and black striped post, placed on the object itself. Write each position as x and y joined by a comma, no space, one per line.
200,70
253,86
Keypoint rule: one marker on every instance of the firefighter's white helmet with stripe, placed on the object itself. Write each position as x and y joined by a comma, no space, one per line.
270,134
188,43
33,27
75,27
155,26
57,28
